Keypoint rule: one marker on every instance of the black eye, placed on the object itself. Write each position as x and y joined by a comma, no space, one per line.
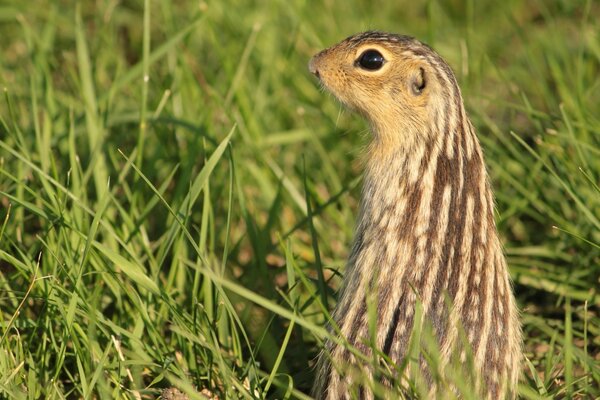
371,60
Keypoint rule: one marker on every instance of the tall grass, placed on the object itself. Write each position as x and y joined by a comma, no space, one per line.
178,197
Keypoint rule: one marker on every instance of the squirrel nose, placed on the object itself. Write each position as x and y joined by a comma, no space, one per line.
313,68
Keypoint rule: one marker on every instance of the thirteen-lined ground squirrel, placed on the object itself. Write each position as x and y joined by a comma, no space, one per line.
425,242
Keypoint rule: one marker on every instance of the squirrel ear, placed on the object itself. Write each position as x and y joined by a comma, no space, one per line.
418,82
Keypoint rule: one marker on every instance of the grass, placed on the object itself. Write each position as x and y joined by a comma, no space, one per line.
178,197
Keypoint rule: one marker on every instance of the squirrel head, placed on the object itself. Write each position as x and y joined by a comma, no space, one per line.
397,83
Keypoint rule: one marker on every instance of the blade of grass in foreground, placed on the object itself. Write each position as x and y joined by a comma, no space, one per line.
95,130
195,190
315,244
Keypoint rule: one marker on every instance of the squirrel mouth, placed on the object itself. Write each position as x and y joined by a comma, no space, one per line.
312,67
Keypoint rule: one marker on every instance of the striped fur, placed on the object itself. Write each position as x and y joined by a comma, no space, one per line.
425,232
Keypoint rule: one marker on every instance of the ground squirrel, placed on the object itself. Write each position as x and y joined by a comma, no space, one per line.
425,234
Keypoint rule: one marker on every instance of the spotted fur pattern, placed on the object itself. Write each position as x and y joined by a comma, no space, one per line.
425,232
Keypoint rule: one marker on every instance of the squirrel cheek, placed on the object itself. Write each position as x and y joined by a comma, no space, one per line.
395,93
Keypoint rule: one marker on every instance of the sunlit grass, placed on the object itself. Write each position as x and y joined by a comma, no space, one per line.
178,196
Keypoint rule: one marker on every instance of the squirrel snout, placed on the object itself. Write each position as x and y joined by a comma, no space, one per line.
312,67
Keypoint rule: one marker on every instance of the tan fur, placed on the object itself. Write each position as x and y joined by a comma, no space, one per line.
425,234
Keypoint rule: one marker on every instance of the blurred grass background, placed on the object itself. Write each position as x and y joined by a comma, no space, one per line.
178,197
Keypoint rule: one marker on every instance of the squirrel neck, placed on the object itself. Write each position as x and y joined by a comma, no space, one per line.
424,202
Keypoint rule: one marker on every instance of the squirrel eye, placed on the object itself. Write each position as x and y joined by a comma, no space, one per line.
371,60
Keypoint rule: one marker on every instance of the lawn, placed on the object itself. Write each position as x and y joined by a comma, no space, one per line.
178,196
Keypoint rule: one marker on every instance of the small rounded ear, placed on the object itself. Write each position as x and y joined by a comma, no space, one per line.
418,82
